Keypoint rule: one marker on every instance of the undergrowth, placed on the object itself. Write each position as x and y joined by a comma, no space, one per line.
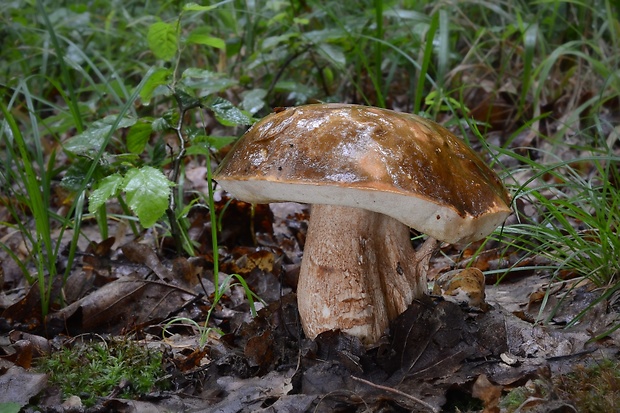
594,388
105,103
591,388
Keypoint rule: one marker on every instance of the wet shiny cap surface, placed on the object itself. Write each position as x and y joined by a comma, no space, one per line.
394,163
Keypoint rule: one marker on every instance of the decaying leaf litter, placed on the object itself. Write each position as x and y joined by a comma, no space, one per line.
436,351
441,354
440,350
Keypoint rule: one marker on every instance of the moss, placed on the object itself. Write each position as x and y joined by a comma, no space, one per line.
594,388
91,370
517,396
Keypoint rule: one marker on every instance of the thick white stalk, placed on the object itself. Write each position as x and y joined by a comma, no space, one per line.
359,272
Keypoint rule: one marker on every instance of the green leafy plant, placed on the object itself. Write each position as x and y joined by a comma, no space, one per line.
129,169
195,91
136,181
31,131
101,162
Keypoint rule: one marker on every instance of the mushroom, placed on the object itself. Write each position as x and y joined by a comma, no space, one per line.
370,175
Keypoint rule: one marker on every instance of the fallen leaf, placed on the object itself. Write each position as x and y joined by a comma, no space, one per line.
429,340
96,271
143,254
192,360
464,287
250,395
26,314
260,351
121,305
488,392
19,386
244,260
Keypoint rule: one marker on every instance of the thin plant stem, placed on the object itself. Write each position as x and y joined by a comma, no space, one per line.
379,52
213,217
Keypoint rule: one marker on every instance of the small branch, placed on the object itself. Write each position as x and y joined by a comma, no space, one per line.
395,391
283,67
181,154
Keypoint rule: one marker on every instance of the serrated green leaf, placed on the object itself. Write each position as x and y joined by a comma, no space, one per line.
161,124
148,191
93,138
107,188
159,154
201,36
191,132
186,100
160,77
171,116
138,135
162,40
228,114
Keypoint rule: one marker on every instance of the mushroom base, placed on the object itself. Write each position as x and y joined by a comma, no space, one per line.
359,272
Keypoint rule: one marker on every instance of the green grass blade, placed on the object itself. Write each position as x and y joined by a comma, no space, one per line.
68,83
427,57
379,52
44,246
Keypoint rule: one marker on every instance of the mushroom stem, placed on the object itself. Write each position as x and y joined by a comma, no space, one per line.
359,272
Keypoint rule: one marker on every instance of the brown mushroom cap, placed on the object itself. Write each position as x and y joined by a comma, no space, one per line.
397,164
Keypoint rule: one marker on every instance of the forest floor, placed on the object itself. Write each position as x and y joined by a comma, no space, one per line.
439,355
140,322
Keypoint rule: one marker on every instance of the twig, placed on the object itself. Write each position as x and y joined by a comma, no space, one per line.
400,393
283,67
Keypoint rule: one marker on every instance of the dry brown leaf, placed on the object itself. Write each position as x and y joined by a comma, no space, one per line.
120,305
243,260
462,287
19,386
260,351
143,254
488,392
